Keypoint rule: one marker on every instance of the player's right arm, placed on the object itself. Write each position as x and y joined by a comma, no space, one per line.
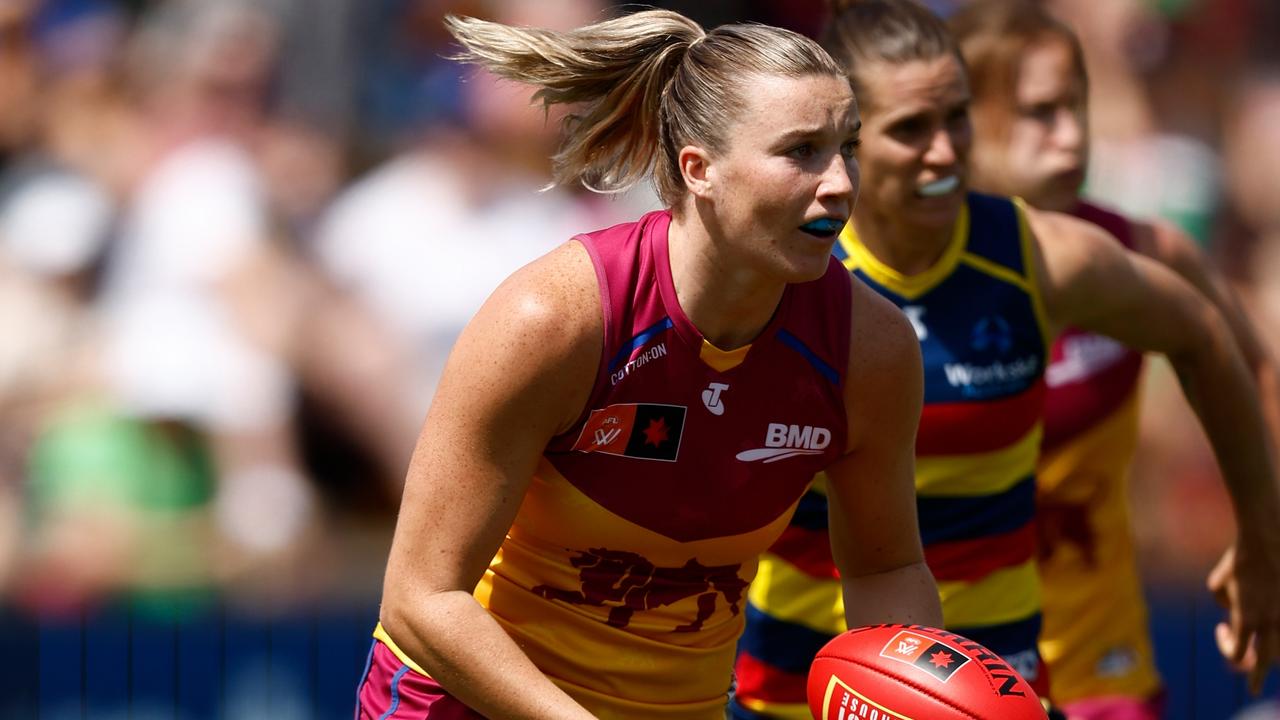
1088,281
1173,248
520,374
871,492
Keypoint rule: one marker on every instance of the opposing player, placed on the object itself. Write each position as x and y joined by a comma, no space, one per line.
987,283
1032,139
630,420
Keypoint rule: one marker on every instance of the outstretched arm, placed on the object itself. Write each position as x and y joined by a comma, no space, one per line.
1172,247
1089,282
519,374
875,537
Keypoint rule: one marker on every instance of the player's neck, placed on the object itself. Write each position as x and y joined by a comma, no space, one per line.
728,304
908,248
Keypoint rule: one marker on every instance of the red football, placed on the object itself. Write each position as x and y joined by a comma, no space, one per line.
913,672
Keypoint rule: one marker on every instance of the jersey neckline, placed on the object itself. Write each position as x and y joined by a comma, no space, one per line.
908,286
714,357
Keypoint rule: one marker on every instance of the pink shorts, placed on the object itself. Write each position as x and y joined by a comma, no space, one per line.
391,690
1116,708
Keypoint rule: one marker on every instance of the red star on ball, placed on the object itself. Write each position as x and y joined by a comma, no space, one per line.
656,433
941,659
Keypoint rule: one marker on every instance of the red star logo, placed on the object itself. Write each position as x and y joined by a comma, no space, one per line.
941,659
656,433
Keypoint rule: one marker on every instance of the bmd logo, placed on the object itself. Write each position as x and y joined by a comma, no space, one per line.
783,441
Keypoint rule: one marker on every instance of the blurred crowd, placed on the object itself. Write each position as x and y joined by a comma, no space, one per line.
238,239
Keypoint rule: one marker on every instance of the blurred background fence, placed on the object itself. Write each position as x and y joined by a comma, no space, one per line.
223,662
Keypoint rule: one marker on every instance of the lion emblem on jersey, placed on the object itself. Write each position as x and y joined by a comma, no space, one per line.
627,582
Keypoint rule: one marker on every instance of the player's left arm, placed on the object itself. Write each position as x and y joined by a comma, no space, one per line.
1170,246
875,537
1088,281
1173,248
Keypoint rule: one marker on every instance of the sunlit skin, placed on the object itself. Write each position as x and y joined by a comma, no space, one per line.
788,160
1039,147
916,133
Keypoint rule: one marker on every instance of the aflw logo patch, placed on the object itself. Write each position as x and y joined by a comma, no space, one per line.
938,659
784,441
635,430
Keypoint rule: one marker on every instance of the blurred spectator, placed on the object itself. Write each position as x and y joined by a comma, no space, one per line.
1252,149
173,331
195,216
52,227
320,61
1141,162
302,169
408,84
54,222
214,319
426,237
18,81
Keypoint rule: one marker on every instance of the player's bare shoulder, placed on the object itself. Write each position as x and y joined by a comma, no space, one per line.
1166,243
882,338
540,334
553,301
1064,241
1074,258
885,383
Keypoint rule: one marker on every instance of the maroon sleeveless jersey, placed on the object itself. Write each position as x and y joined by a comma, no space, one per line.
691,441
624,574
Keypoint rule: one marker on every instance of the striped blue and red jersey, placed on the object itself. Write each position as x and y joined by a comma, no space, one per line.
983,338
625,572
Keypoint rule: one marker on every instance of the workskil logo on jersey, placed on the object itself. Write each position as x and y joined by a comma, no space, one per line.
635,430
782,441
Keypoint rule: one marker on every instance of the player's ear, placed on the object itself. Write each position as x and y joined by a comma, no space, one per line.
695,168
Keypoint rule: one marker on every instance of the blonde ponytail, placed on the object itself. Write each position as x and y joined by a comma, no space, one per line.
616,70
645,85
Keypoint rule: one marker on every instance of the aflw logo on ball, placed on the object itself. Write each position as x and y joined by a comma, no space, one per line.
784,441
938,659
